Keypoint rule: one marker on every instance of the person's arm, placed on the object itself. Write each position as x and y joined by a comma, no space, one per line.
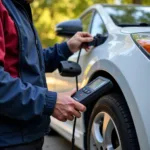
60,52
53,56
19,100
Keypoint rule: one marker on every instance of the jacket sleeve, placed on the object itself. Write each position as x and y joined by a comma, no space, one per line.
19,100
53,56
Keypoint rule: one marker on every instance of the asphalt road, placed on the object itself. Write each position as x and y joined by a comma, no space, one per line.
56,142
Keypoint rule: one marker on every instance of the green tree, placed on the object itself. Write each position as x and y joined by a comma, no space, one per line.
137,2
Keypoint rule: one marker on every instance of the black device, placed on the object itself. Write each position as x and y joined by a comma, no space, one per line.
93,90
69,69
97,40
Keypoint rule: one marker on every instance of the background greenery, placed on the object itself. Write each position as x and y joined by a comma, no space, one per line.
47,13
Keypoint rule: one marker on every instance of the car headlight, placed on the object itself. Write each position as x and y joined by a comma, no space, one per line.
143,42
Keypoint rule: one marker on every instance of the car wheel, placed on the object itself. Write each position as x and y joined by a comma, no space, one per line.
111,126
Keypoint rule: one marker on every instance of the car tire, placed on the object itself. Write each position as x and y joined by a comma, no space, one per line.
111,126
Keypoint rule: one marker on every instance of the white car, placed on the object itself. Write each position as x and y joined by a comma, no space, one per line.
118,120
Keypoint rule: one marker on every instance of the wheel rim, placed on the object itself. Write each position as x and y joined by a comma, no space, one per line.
104,134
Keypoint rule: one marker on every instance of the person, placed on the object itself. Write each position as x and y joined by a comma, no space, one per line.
25,102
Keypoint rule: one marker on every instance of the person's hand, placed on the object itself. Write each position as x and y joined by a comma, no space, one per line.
76,42
67,108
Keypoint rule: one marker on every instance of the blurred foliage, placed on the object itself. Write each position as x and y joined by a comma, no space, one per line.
47,13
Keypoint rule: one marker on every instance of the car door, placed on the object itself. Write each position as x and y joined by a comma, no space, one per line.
92,23
87,58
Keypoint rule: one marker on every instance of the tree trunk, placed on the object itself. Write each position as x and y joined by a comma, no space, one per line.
137,1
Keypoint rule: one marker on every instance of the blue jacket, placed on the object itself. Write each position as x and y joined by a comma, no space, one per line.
25,102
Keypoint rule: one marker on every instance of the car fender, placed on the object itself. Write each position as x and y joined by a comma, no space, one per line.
114,71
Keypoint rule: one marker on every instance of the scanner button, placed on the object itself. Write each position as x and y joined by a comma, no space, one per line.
87,91
84,90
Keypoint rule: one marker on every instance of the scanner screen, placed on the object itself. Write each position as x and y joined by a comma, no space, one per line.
96,84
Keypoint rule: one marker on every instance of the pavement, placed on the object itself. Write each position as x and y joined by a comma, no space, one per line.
56,142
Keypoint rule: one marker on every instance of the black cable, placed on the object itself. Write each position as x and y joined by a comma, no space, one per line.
75,119
79,56
73,134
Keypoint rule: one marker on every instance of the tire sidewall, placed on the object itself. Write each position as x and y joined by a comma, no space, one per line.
106,104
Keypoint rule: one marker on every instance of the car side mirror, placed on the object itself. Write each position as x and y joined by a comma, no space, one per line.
69,28
69,69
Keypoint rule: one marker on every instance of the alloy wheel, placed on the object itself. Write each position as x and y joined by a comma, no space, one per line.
104,134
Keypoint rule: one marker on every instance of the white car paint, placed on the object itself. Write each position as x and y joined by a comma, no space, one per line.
125,62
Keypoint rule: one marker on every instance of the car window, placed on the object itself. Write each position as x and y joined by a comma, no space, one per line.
98,26
129,15
86,21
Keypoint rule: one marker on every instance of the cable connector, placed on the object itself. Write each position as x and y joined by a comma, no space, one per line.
98,40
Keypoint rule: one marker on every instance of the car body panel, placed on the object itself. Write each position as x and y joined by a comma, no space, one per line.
115,64
120,57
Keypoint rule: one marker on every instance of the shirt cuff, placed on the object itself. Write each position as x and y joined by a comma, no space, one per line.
65,50
51,98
